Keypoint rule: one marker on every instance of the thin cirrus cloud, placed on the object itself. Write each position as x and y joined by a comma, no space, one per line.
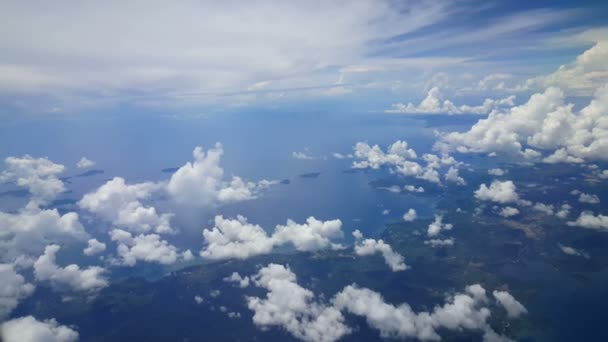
198,52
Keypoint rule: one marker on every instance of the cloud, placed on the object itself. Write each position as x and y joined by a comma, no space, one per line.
120,203
342,156
237,238
27,232
432,104
588,220
301,156
439,242
573,251
410,215
198,299
463,311
497,172
398,157
145,247
200,183
293,307
29,329
498,191
364,247
235,277
513,307
71,276
545,125
412,188
14,288
582,77
588,198
94,247
38,175
452,176
84,163
508,212
437,226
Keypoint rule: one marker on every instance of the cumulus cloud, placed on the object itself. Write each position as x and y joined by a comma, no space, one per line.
410,215
506,300
588,220
145,247
497,172
508,212
452,176
412,188
399,158
543,208
438,226
85,163
94,247
13,289
200,183
433,104
237,238
573,251
235,277
582,77
342,156
71,276
544,125
440,242
588,198
463,311
292,307
498,191
120,203
38,175
27,232
29,329
365,247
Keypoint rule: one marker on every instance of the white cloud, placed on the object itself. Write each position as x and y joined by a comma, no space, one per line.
386,212
94,247
545,124
410,215
588,198
412,188
29,329
573,251
543,208
564,211
39,176
13,289
237,238
200,183
84,163
497,172
301,155
120,203
587,220
72,276
513,307
582,77
198,299
437,226
432,104
439,242
508,212
342,156
462,311
398,157
235,277
144,247
293,307
365,247
499,191
452,176
27,232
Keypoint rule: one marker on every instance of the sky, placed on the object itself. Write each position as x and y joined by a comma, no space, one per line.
72,57
133,133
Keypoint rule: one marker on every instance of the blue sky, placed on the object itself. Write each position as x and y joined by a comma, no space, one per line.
72,57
